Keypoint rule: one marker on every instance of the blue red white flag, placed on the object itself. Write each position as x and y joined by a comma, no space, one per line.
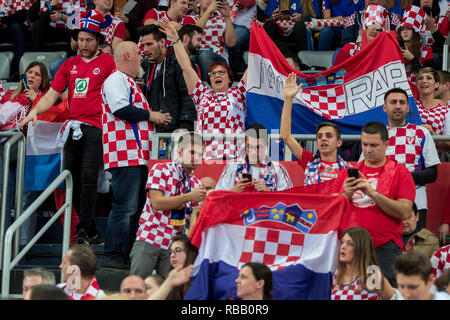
349,94
295,235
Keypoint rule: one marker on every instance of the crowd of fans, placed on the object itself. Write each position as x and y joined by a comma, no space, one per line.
140,67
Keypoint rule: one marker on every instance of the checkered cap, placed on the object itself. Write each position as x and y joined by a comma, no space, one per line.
376,15
277,249
413,17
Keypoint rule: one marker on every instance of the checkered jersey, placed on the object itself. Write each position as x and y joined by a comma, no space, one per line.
154,226
113,29
213,35
409,146
440,261
277,249
92,292
425,55
220,113
353,291
9,7
124,144
435,117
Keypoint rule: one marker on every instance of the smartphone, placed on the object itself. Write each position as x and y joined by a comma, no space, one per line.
427,10
285,11
24,79
401,42
353,172
247,176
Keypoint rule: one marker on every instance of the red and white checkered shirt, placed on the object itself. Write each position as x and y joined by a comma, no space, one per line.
440,261
2,90
435,117
124,144
154,226
351,291
10,7
426,54
64,6
220,113
92,292
441,23
115,29
213,35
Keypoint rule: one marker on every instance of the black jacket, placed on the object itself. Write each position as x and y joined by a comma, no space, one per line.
169,94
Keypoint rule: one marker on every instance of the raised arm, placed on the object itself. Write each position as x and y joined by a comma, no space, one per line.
190,75
230,34
206,14
290,90
174,279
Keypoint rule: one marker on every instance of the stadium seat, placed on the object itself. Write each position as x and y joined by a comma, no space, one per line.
45,57
316,60
5,64
245,56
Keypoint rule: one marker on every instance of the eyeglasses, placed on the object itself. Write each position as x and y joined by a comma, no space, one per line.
219,72
176,251
374,27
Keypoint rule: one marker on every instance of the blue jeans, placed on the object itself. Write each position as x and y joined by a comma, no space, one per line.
327,37
242,38
128,188
205,58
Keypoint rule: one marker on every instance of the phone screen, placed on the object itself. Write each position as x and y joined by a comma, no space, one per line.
247,176
24,79
352,172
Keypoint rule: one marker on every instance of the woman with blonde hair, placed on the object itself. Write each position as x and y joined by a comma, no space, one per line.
357,275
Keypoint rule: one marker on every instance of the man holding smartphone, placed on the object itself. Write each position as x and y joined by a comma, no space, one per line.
256,172
381,196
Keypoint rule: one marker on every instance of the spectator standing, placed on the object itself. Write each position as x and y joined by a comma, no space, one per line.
418,239
35,276
127,127
173,191
415,54
415,279
357,262
83,75
13,15
381,196
412,146
218,33
166,89
78,268
177,13
221,109
265,174
254,282
326,164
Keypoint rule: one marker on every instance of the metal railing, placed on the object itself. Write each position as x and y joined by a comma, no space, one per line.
8,265
445,55
19,138
287,156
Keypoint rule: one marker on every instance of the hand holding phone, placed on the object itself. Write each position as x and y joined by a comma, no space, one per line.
24,79
353,172
247,176
427,10
401,42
